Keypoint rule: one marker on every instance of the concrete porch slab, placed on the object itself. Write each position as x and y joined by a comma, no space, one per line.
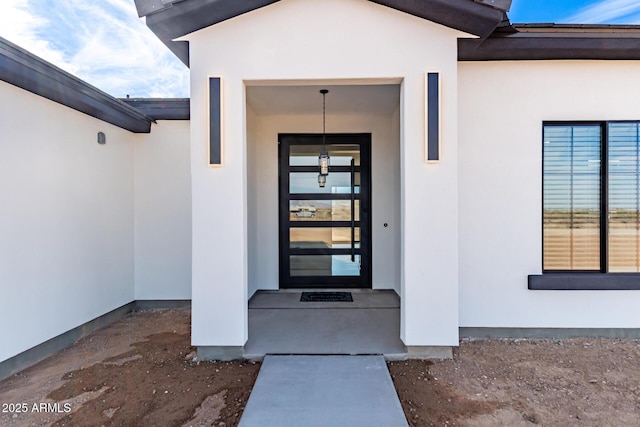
280,324
323,391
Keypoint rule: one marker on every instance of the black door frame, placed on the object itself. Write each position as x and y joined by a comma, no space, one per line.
286,280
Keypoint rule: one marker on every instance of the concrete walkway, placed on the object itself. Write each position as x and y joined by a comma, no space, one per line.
309,391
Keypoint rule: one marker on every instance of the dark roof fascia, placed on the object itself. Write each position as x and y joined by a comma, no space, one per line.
536,46
478,17
162,108
464,15
25,70
188,16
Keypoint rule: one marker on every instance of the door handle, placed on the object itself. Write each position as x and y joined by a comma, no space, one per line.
353,214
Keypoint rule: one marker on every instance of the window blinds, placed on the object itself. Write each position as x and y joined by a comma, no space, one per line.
624,197
571,197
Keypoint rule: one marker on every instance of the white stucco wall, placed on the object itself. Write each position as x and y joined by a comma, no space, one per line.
66,219
502,106
347,43
162,189
263,212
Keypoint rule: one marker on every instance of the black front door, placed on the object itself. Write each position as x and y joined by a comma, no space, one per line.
325,231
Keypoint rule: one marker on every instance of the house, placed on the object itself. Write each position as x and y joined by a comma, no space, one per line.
486,172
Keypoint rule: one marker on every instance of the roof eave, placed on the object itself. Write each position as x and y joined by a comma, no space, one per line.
468,16
25,70
162,108
551,46
478,17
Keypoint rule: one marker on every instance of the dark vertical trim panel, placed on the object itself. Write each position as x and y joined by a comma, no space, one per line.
433,117
215,121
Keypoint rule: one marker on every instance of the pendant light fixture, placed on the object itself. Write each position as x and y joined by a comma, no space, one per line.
323,158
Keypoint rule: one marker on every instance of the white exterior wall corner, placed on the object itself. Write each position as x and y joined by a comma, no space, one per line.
355,39
66,219
162,187
500,187
219,226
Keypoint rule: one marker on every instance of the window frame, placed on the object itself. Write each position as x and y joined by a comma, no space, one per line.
603,195
600,279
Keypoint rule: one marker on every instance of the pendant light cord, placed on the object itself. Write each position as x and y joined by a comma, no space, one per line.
324,120
324,93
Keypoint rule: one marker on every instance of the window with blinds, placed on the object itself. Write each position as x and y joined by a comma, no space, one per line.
623,145
572,197
576,237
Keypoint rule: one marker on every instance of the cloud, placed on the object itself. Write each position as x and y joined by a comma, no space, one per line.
19,26
608,12
103,43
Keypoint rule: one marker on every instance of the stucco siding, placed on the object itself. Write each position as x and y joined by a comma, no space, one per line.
502,106
162,187
66,219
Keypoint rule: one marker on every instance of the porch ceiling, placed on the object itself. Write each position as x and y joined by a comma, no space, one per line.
341,99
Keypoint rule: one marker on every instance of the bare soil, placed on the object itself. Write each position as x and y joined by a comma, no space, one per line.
142,371
576,382
139,371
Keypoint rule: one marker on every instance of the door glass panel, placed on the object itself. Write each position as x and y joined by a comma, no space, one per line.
324,265
337,183
317,235
322,210
322,237
340,154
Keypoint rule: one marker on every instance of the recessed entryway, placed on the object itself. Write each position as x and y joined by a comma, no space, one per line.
353,108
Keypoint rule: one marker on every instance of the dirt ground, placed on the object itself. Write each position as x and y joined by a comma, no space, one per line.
141,371
585,382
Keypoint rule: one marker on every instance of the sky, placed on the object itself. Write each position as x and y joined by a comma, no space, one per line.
100,41
576,11
105,43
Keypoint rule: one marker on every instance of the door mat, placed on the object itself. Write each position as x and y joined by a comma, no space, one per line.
326,297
